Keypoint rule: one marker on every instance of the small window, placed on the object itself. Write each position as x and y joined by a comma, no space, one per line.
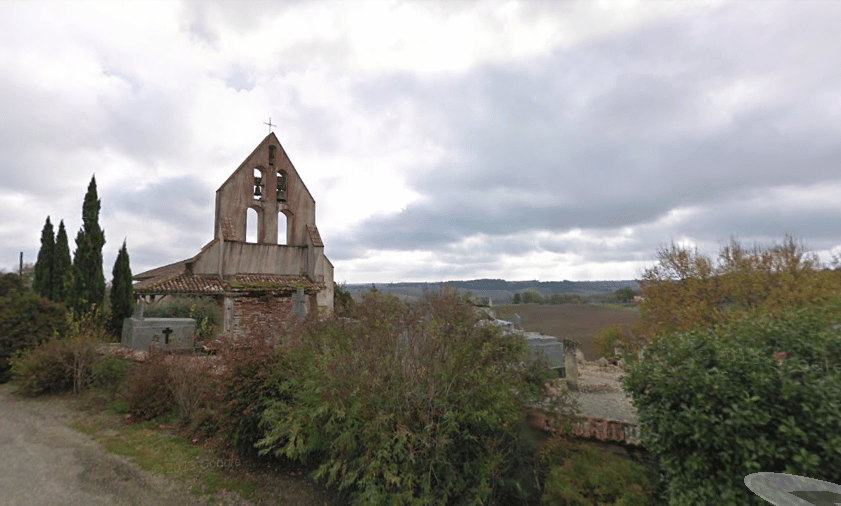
271,156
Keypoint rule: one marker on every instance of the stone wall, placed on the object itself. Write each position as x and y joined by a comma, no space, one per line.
258,315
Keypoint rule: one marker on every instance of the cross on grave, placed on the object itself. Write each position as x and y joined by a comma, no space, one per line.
270,124
166,332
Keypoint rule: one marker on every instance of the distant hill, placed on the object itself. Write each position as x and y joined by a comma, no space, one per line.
499,290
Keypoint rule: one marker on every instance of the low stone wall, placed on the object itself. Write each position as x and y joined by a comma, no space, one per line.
599,429
607,430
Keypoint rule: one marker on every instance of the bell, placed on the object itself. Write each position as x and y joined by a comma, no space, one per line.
257,192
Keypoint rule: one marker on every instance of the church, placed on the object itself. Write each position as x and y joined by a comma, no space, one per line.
259,285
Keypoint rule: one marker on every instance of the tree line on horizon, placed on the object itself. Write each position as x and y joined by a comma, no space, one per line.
622,296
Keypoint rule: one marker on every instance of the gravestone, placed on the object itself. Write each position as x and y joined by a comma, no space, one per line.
549,348
516,321
162,333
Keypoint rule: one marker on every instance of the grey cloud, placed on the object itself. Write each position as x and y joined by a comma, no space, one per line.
623,155
183,201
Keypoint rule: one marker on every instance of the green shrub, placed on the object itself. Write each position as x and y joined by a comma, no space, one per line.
247,384
579,474
147,389
204,310
42,370
48,367
109,373
606,338
408,404
532,297
717,407
26,321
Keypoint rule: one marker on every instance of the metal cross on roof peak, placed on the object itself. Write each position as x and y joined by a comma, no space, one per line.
270,124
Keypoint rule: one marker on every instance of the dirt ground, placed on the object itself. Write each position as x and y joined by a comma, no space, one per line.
575,321
47,462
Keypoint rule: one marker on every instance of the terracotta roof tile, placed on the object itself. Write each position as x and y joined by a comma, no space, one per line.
186,283
276,281
183,282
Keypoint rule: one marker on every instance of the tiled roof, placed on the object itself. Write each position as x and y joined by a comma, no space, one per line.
186,283
181,283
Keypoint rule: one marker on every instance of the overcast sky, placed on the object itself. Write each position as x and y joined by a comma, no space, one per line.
441,140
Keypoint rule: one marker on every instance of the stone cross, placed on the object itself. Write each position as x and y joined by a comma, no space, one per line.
166,332
299,303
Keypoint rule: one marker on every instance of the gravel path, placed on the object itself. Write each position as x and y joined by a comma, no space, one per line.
601,394
47,463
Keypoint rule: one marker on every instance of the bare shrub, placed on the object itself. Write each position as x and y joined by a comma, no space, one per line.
147,392
190,382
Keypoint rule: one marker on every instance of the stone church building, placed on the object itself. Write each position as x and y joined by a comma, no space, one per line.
258,285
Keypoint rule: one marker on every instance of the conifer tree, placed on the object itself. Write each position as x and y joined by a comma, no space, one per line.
88,278
43,282
122,292
62,266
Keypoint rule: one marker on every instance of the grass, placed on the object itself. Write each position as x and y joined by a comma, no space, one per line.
163,453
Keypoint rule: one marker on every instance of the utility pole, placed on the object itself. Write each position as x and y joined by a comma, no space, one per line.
20,272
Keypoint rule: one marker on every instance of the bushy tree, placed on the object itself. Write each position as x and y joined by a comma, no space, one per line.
43,283
605,340
688,290
408,404
88,278
717,404
62,266
625,294
122,292
532,297
26,321
517,298
343,303
565,298
9,282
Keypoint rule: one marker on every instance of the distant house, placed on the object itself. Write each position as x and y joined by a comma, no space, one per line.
638,299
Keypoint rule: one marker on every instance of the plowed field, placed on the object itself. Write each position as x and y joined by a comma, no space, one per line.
575,321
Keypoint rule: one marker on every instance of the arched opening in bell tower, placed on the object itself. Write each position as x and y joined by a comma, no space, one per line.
252,223
281,229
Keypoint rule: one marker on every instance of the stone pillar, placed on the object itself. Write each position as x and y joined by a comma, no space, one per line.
571,364
515,320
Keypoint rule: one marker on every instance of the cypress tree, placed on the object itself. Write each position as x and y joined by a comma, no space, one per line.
43,283
88,278
122,292
62,266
